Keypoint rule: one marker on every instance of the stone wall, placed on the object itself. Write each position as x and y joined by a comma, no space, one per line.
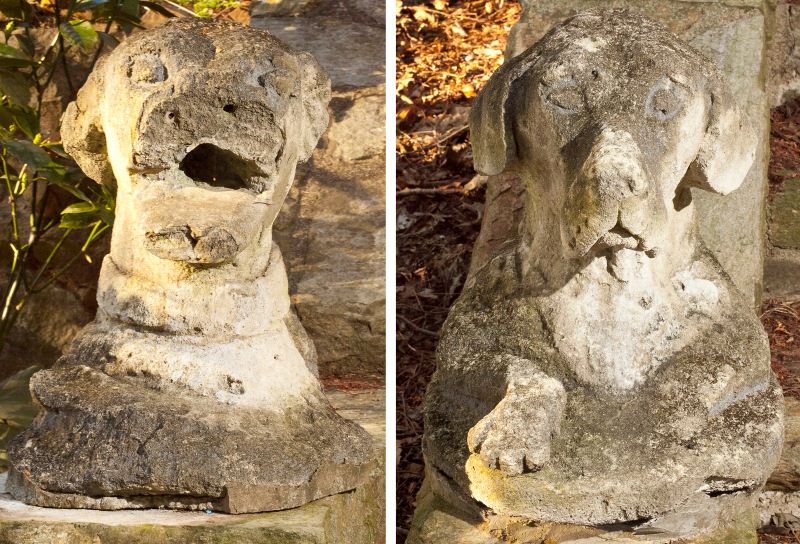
332,228
732,33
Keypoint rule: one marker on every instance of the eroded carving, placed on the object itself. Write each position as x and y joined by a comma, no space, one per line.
603,368
195,386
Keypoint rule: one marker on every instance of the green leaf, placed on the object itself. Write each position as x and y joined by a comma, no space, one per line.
16,9
78,220
158,8
127,21
110,41
34,156
70,188
16,87
25,44
57,148
130,8
84,5
80,207
81,33
13,58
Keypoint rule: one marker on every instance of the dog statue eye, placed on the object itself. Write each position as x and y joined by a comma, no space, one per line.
566,97
147,69
665,100
282,80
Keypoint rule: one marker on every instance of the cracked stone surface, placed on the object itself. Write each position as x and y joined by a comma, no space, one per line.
332,229
355,517
195,386
601,367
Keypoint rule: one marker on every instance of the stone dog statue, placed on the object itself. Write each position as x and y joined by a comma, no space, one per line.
195,387
603,368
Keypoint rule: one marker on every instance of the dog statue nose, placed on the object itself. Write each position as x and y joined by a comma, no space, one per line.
615,165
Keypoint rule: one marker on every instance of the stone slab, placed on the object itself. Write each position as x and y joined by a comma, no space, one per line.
355,517
733,34
438,522
782,275
332,227
353,54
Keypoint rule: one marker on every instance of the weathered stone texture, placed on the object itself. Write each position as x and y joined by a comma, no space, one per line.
360,11
195,386
356,517
784,224
600,367
733,36
332,229
783,55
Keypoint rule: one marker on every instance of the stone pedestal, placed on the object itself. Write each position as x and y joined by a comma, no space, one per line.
355,517
725,520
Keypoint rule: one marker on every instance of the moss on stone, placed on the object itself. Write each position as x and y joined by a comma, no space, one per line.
784,227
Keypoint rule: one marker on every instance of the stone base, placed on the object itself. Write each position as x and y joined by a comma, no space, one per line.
112,443
437,521
355,517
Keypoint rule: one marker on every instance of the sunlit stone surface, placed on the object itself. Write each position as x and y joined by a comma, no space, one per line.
195,387
602,368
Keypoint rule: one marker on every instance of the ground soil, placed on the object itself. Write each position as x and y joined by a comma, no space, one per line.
446,49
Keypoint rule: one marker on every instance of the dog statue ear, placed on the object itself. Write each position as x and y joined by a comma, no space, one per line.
82,131
728,148
315,94
491,127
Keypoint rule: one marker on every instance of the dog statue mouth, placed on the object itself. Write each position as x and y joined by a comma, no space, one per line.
213,166
620,238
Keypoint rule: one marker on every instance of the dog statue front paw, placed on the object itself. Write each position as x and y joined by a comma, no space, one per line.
515,436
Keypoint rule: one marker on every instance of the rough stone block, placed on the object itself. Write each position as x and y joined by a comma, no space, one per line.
437,521
356,517
351,53
783,56
784,225
279,8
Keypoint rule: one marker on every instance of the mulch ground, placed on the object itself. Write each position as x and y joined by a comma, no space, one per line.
445,52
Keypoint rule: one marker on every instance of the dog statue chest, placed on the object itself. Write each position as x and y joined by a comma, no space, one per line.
615,333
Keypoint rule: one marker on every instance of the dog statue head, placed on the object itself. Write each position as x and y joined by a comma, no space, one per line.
200,125
609,120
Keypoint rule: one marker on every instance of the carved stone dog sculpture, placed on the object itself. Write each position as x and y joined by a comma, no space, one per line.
195,387
603,368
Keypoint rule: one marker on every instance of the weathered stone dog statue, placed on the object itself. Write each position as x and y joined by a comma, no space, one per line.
195,387
603,368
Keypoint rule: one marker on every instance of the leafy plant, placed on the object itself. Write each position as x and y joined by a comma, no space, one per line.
207,8
46,236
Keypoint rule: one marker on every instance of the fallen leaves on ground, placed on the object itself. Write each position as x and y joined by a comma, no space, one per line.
781,320
446,51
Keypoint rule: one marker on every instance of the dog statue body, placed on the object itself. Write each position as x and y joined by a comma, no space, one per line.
602,368
195,387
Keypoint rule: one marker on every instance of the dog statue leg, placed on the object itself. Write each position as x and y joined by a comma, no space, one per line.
515,436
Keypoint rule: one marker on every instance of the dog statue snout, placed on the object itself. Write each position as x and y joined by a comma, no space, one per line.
200,226
214,245
615,167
